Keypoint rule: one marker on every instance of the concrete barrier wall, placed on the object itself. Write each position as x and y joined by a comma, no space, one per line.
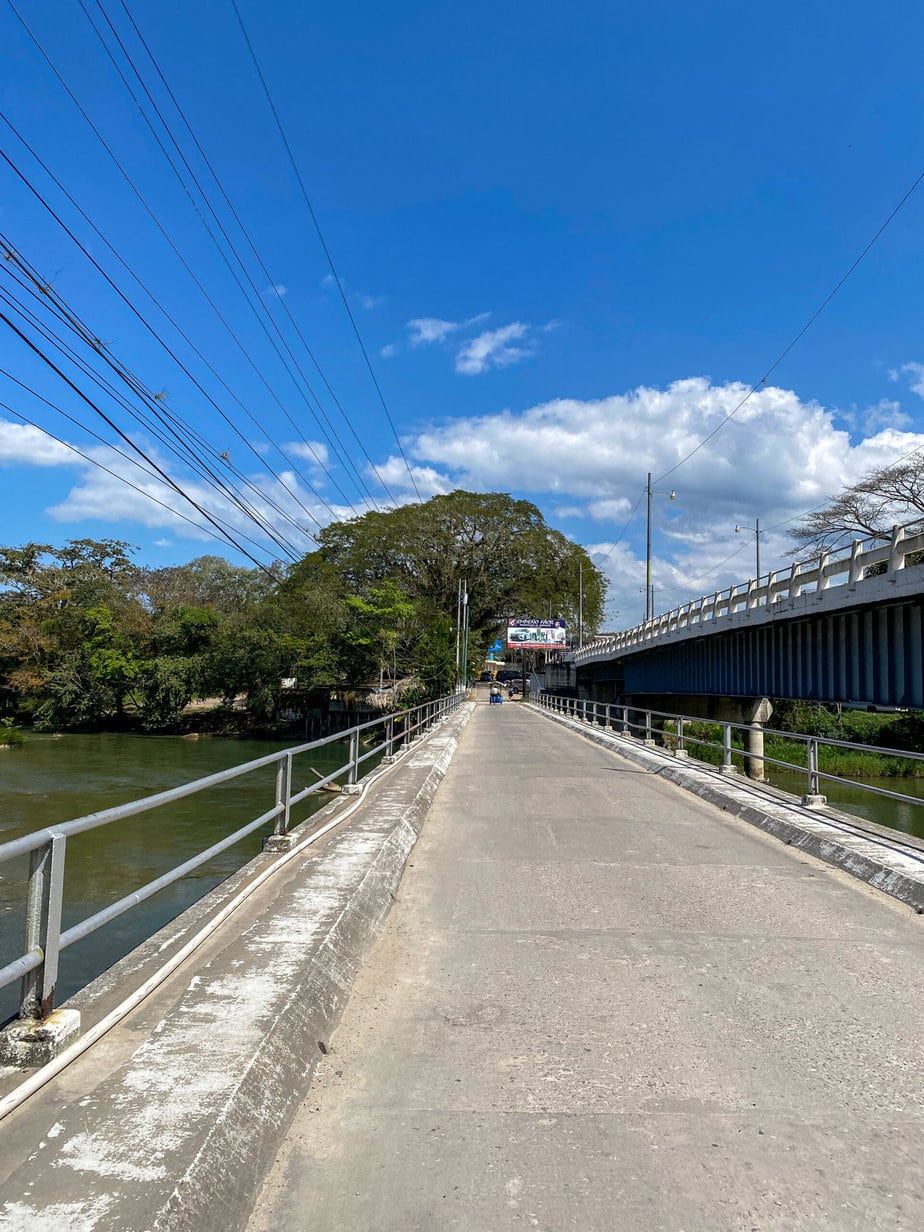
180,1135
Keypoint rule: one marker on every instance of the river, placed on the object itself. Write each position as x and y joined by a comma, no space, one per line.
55,778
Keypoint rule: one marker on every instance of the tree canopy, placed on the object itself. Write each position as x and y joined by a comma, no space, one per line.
87,637
882,499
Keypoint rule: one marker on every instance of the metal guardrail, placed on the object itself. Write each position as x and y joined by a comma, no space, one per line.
616,717
848,567
37,967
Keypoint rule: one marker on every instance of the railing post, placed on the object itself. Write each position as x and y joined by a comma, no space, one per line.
681,749
728,766
43,927
283,794
896,551
353,774
649,741
390,736
813,799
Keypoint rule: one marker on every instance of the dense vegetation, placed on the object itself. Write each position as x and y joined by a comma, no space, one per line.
88,638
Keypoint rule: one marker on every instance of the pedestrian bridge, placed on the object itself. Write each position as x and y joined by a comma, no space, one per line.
848,627
597,992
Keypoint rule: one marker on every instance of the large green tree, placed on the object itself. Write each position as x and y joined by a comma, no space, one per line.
512,562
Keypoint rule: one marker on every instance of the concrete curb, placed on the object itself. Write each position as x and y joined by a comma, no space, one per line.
182,1134
887,864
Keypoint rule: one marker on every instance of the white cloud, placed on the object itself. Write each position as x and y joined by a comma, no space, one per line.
276,291
372,301
777,458
22,444
916,371
885,414
315,452
425,330
394,474
495,348
389,351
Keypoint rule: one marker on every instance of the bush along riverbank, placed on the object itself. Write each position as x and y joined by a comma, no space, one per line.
903,732
10,735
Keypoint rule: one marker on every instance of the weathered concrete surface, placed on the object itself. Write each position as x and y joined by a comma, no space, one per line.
601,1004
171,1121
892,862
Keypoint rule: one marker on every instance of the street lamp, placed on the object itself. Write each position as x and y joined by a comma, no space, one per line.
649,589
755,530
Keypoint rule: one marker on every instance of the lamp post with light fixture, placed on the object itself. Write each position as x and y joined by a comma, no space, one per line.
649,590
755,530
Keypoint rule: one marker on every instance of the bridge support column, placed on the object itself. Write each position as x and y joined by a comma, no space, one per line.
754,764
749,712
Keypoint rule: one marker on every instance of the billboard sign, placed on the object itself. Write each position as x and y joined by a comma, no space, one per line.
536,634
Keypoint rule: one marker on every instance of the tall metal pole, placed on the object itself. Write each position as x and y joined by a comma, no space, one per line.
649,605
757,541
458,625
465,636
580,604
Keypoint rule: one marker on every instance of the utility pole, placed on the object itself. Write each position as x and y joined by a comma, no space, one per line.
648,603
465,635
458,625
649,589
756,529
580,604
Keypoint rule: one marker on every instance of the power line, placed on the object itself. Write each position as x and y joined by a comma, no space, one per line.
808,324
622,533
128,441
253,249
256,306
143,320
325,248
99,465
185,264
168,423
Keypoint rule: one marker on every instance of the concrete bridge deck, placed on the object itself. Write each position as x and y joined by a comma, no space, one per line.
600,1004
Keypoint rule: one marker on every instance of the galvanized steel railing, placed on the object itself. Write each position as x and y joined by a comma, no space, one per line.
648,723
37,968
848,567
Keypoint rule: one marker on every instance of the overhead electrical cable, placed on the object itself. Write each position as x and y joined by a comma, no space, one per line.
256,305
622,533
176,430
185,264
805,328
191,446
11,410
147,325
249,514
244,231
131,444
324,246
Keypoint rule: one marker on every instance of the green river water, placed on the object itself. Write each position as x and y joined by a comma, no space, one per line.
55,778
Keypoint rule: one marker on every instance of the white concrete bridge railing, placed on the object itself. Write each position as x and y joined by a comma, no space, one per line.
852,567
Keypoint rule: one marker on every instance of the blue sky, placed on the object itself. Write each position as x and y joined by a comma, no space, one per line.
571,236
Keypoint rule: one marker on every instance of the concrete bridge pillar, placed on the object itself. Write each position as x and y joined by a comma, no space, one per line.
750,712
754,766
